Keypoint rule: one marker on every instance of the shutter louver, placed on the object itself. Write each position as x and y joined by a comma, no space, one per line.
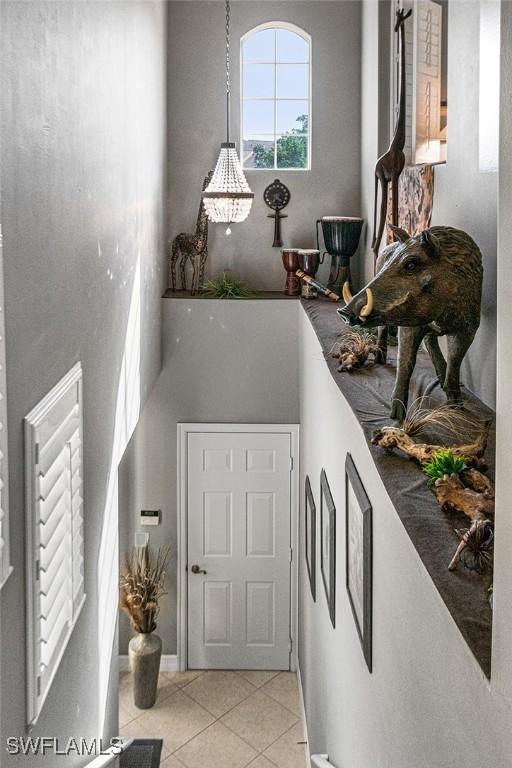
55,531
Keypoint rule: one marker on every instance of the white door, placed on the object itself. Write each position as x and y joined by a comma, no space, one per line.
239,550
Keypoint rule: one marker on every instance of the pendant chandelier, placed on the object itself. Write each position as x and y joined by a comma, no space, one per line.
228,197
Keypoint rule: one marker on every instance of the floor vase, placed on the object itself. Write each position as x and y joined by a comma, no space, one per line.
145,651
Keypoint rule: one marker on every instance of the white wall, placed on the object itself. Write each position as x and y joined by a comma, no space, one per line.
197,126
83,169
225,361
465,197
375,105
427,703
502,647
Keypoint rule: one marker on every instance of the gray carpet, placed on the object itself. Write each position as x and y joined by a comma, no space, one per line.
142,753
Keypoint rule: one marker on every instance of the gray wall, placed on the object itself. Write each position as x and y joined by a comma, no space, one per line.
224,361
427,703
197,126
83,167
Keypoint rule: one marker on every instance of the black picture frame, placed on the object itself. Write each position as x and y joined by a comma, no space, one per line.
328,544
359,556
310,535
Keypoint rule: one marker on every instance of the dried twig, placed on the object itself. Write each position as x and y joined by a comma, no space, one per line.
395,437
142,585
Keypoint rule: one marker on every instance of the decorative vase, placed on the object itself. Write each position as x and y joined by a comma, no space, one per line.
145,651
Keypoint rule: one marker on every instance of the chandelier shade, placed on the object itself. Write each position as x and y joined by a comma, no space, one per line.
228,198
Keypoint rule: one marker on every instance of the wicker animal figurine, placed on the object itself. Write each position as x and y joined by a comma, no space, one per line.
193,247
391,164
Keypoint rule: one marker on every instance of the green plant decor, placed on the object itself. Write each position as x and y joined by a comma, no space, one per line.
228,287
443,463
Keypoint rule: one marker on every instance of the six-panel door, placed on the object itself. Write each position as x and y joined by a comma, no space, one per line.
238,493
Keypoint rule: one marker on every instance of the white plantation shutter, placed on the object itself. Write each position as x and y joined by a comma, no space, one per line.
55,560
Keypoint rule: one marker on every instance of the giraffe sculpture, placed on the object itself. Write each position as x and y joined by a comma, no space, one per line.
388,168
391,164
193,247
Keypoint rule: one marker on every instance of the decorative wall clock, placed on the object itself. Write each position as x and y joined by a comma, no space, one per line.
277,196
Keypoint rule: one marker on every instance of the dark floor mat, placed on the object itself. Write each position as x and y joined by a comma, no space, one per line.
142,753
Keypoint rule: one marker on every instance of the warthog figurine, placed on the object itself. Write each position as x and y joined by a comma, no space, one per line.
429,285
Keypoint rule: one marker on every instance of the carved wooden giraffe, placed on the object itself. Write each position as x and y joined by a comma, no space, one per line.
194,247
390,165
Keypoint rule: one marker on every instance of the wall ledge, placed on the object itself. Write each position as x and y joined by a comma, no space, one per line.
201,297
431,531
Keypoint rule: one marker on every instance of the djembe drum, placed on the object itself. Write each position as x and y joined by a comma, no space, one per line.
309,260
341,238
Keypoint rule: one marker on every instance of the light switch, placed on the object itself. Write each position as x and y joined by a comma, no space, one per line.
141,539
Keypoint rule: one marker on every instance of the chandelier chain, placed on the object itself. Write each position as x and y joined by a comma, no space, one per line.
228,61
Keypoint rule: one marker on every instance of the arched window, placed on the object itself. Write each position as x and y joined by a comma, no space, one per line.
276,97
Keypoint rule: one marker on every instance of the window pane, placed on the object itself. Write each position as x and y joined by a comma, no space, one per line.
291,116
291,47
258,152
260,47
258,117
292,81
259,81
292,151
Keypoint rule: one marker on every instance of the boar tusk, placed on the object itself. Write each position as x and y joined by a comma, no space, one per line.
367,309
347,296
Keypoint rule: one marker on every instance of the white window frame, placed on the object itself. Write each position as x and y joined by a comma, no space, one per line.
308,39
37,690
5,562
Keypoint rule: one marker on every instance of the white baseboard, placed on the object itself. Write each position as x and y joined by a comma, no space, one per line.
303,714
168,663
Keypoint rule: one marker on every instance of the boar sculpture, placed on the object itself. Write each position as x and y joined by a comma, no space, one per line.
429,285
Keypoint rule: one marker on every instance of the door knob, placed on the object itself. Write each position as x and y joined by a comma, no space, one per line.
197,569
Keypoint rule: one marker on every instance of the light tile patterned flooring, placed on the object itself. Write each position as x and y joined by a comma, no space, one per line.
220,719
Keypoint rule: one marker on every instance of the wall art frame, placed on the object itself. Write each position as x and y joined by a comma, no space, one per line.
310,535
359,556
328,544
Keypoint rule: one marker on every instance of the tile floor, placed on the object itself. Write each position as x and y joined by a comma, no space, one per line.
220,719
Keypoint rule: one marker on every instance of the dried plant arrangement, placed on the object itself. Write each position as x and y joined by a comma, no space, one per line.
454,473
227,287
354,347
445,419
142,585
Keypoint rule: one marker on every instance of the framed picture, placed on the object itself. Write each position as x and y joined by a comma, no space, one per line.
310,536
358,514
328,547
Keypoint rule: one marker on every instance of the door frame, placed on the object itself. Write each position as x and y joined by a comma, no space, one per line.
183,431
